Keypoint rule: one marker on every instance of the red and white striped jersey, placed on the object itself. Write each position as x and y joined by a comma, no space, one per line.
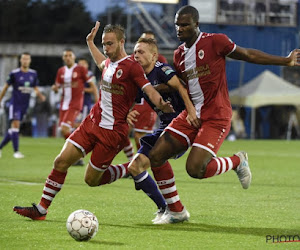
72,81
202,67
118,90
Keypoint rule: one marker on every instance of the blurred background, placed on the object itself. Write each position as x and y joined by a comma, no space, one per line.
45,28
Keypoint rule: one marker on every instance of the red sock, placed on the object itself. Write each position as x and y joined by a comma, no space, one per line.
220,165
128,150
52,186
165,180
113,173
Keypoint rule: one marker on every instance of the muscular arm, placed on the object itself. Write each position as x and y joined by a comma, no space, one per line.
92,89
2,94
259,57
157,100
95,52
39,94
192,117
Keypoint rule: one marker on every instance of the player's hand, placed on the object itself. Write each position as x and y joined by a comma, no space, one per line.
165,107
54,87
42,98
294,58
192,119
90,37
132,117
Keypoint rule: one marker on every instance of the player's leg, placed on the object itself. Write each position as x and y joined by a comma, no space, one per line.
143,181
108,143
15,128
77,145
68,155
166,147
202,161
128,149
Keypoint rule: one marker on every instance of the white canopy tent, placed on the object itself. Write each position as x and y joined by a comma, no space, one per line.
265,89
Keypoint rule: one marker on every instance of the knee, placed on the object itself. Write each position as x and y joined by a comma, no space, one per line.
91,182
61,164
155,160
196,169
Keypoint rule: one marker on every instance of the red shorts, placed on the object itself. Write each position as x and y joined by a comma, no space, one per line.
209,136
105,144
146,120
67,117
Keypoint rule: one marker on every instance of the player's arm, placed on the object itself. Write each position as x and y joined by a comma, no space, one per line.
260,57
55,87
192,116
164,88
3,92
157,100
39,94
95,52
92,88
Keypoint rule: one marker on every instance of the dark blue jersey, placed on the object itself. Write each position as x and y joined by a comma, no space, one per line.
23,84
87,100
161,74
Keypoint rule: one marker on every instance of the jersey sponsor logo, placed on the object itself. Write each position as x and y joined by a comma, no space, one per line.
197,72
201,54
119,73
112,88
74,74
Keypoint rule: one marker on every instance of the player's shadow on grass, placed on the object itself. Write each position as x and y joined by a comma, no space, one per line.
200,227
107,243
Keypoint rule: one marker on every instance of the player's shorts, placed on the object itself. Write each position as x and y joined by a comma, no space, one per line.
16,113
105,144
148,142
68,117
147,118
210,136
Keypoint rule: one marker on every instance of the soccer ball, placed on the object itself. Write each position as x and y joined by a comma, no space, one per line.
82,225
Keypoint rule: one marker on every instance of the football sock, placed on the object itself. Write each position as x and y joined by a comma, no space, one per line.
15,138
220,165
128,150
52,186
165,180
113,173
6,139
145,182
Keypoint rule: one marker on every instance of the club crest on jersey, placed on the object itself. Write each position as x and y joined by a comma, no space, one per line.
119,73
201,54
74,74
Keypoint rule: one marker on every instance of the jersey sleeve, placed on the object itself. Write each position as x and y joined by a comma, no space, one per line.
223,45
166,73
11,79
138,75
36,80
58,79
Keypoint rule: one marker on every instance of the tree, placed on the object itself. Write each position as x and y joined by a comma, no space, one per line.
50,21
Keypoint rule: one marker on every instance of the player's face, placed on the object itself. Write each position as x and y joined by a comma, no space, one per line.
25,61
143,55
111,45
83,63
68,58
186,27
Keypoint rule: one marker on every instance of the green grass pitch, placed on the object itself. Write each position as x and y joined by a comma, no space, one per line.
223,215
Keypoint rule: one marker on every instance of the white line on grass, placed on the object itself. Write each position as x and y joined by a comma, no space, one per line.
19,182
